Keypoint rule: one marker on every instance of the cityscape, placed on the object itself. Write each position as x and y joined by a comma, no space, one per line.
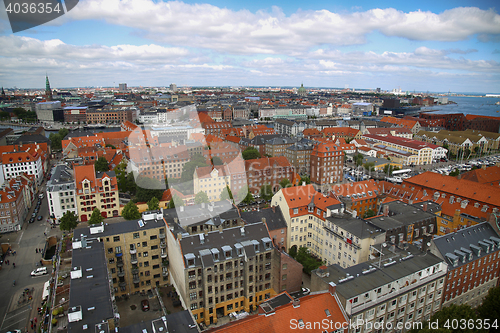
226,167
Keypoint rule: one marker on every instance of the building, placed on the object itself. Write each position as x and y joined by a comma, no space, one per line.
215,128
158,162
484,175
457,141
394,131
122,87
276,146
275,222
220,272
28,160
135,252
16,196
75,114
327,161
95,190
305,211
268,171
109,116
299,156
61,192
49,111
282,314
212,180
472,255
392,290
404,223
341,133
359,196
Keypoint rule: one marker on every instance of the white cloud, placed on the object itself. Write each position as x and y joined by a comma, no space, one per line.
244,32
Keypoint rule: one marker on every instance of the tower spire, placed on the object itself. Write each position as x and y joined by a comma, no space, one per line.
48,91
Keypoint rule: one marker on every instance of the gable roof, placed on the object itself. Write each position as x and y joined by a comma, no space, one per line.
301,196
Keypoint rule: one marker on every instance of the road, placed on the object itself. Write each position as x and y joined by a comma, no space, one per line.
25,242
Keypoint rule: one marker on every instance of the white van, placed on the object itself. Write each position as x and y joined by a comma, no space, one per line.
41,196
39,271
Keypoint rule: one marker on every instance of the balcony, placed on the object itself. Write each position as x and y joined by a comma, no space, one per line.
164,272
164,263
163,245
119,264
164,254
121,273
162,236
135,279
134,251
118,254
123,284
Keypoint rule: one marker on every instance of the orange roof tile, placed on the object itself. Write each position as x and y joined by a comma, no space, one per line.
484,176
300,196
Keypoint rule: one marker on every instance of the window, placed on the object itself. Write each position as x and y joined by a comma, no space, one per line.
116,238
136,235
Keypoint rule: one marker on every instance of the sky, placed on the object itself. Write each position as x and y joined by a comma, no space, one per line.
435,46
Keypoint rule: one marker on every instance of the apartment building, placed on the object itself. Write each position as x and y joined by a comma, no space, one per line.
277,146
404,223
212,180
158,162
394,131
327,161
472,255
17,162
394,289
268,171
341,132
411,151
15,201
459,140
358,196
305,210
95,190
75,114
220,272
299,156
61,192
215,128
109,116
135,252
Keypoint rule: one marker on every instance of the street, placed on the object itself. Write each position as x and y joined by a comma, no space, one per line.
14,312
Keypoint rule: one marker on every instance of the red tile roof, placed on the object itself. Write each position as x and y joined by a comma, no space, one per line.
484,176
301,196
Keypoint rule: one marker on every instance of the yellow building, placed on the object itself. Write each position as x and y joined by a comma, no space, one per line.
212,180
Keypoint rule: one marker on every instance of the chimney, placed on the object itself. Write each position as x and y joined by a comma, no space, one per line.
332,288
385,210
483,166
220,228
296,303
274,209
426,242
264,220
460,176
424,207
179,236
303,183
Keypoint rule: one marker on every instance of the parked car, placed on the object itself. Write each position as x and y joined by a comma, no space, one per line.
40,217
32,220
306,291
39,271
145,305
33,215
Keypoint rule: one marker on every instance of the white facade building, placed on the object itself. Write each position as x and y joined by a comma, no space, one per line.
61,192
17,163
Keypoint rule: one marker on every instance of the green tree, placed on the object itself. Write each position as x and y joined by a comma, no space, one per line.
369,166
266,192
284,183
305,179
177,201
197,160
293,251
153,204
131,212
226,194
217,161
69,221
201,197
358,159
491,305
121,175
308,262
110,145
455,173
388,169
250,153
96,217
101,165
171,203
148,188
369,213
55,142
244,195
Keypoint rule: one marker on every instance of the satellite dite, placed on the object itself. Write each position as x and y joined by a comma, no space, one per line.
158,153
26,14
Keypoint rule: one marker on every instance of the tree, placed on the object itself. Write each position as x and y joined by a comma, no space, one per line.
358,159
370,166
266,192
96,217
250,153
226,194
244,195
293,251
197,160
101,165
308,262
388,169
201,197
445,316
110,146
69,221
369,213
284,183
131,212
177,200
455,173
121,176
491,304
148,188
305,179
153,204
217,161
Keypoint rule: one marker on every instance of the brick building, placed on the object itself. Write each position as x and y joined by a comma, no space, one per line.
268,171
110,116
327,161
299,156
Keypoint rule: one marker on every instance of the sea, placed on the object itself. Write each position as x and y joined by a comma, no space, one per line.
484,106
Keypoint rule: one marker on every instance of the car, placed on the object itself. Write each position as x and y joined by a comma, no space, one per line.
32,220
145,305
40,217
39,271
41,196
33,215
306,291
14,331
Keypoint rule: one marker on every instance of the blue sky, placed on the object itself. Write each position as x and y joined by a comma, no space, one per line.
424,46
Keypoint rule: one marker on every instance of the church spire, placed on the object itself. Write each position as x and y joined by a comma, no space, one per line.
48,91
